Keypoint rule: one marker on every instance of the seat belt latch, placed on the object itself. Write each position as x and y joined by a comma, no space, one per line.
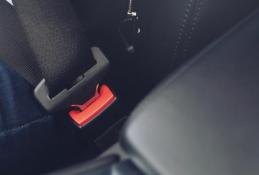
80,91
90,110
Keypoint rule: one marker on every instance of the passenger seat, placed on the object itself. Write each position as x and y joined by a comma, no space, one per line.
176,30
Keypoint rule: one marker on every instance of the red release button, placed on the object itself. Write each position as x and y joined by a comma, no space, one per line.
94,107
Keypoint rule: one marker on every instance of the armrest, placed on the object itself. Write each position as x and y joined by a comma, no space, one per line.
205,118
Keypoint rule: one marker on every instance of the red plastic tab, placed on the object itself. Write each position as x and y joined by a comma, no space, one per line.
94,107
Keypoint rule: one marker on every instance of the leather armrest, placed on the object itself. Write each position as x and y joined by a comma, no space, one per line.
205,118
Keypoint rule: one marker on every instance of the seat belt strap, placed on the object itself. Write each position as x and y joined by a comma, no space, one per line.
58,40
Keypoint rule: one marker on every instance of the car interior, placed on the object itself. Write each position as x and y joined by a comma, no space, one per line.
101,87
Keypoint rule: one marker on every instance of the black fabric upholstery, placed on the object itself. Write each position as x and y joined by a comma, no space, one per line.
14,48
175,30
204,119
57,38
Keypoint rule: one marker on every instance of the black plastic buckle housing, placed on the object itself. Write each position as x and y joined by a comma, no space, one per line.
79,92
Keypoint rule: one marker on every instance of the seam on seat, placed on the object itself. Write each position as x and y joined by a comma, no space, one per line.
187,29
13,131
193,27
183,26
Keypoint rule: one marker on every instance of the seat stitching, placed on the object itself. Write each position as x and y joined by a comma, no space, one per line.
13,131
193,27
183,26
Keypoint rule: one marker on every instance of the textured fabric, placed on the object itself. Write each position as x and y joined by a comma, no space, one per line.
57,39
14,48
31,140
17,101
27,134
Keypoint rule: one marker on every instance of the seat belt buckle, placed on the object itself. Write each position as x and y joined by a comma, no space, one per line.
84,114
80,91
